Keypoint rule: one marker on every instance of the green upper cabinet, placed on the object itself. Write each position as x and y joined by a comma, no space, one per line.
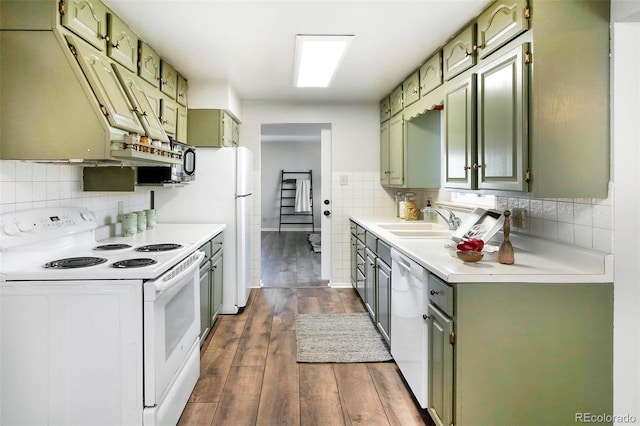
181,94
431,74
385,109
395,99
123,43
411,89
135,89
181,127
235,133
501,22
169,116
502,117
86,18
384,153
148,64
210,128
459,54
168,79
460,141
396,151
100,74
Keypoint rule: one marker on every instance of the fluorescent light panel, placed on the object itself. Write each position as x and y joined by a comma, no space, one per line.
317,58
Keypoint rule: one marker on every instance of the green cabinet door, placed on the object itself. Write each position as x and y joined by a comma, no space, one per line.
383,279
460,147
235,133
181,94
216,284
168,79
499,23
440,366
459,54
502,123
353,261
370,287
123,43
169,116
384,154
181,127
411,89
385,109
135,89
227,130
395,99
396,151
205,299
148,64
86,18
104,82
431,74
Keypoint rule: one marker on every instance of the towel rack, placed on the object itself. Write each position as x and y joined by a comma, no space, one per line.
288,216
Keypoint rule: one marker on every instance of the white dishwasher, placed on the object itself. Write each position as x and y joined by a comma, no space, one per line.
409,340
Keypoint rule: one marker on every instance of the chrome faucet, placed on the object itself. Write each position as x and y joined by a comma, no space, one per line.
453,221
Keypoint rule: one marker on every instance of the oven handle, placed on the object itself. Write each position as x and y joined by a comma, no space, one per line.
176,275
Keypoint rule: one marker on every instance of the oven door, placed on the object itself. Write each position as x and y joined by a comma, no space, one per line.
171,327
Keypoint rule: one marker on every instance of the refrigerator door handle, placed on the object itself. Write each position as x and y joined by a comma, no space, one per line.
243,195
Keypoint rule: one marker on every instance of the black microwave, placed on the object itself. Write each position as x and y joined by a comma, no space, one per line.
174,173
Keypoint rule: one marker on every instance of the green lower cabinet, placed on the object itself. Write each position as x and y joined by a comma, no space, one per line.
440,370
205,318
383,280
216,285
524,354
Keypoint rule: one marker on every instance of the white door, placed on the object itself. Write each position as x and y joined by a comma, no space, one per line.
325,220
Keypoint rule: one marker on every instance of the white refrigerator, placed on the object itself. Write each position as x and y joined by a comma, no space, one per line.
221,193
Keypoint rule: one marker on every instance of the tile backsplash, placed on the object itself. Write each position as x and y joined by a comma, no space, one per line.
27,185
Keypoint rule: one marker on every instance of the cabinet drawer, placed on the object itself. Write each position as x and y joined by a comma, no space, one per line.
352,227
441,294
384,252
360,232
499,23
385,109
371,241
460,53
411,89
431,74
217,243
396,100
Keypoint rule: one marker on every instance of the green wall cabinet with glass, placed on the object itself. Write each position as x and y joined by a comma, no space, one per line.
541,353
210,284
211,128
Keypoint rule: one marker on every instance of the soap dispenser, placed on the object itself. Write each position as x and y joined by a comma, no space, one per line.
430,215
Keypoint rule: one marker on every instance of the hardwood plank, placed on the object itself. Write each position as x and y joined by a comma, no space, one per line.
284,316
319,397
396,399
351,301
197,414
279,400
241,397
359,395
309,305
254,343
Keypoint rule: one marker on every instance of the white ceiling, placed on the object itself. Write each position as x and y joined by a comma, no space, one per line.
250,43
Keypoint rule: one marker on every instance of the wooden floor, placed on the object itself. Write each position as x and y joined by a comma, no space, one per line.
288,261
249,374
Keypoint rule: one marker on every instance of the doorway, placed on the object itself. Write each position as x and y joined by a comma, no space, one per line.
295,245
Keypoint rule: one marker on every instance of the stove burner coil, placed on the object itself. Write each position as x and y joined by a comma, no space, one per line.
75,262
159,247
134,263
113,247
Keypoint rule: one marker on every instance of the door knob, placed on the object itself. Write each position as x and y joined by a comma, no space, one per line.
326,202
327,213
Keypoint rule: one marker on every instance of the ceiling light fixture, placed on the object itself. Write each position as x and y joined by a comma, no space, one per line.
317,58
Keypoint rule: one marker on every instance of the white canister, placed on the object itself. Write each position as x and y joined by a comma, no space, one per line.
142,221
151,218
129,224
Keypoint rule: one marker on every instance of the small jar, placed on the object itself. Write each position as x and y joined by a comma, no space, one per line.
399,199
151,218
142,221
129,224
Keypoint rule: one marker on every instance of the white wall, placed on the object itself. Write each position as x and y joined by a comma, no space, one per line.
288,156
626,157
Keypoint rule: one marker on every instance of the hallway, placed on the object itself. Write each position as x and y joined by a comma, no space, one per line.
288,261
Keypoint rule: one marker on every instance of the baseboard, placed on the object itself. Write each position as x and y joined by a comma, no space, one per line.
290,229
340,285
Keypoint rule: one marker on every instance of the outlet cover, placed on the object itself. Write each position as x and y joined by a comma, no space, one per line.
344,180
519,218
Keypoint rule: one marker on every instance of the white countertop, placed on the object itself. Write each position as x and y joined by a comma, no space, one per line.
192,234
536,260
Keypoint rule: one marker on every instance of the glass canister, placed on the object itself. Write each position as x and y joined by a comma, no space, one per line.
129,224
399,200
142,221
410,208
151,218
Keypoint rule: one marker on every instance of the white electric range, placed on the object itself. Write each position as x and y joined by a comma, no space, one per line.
97,332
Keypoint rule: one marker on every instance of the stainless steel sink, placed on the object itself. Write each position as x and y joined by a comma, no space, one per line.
405,226
420,233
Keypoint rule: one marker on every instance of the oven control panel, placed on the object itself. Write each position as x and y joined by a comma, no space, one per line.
28,226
